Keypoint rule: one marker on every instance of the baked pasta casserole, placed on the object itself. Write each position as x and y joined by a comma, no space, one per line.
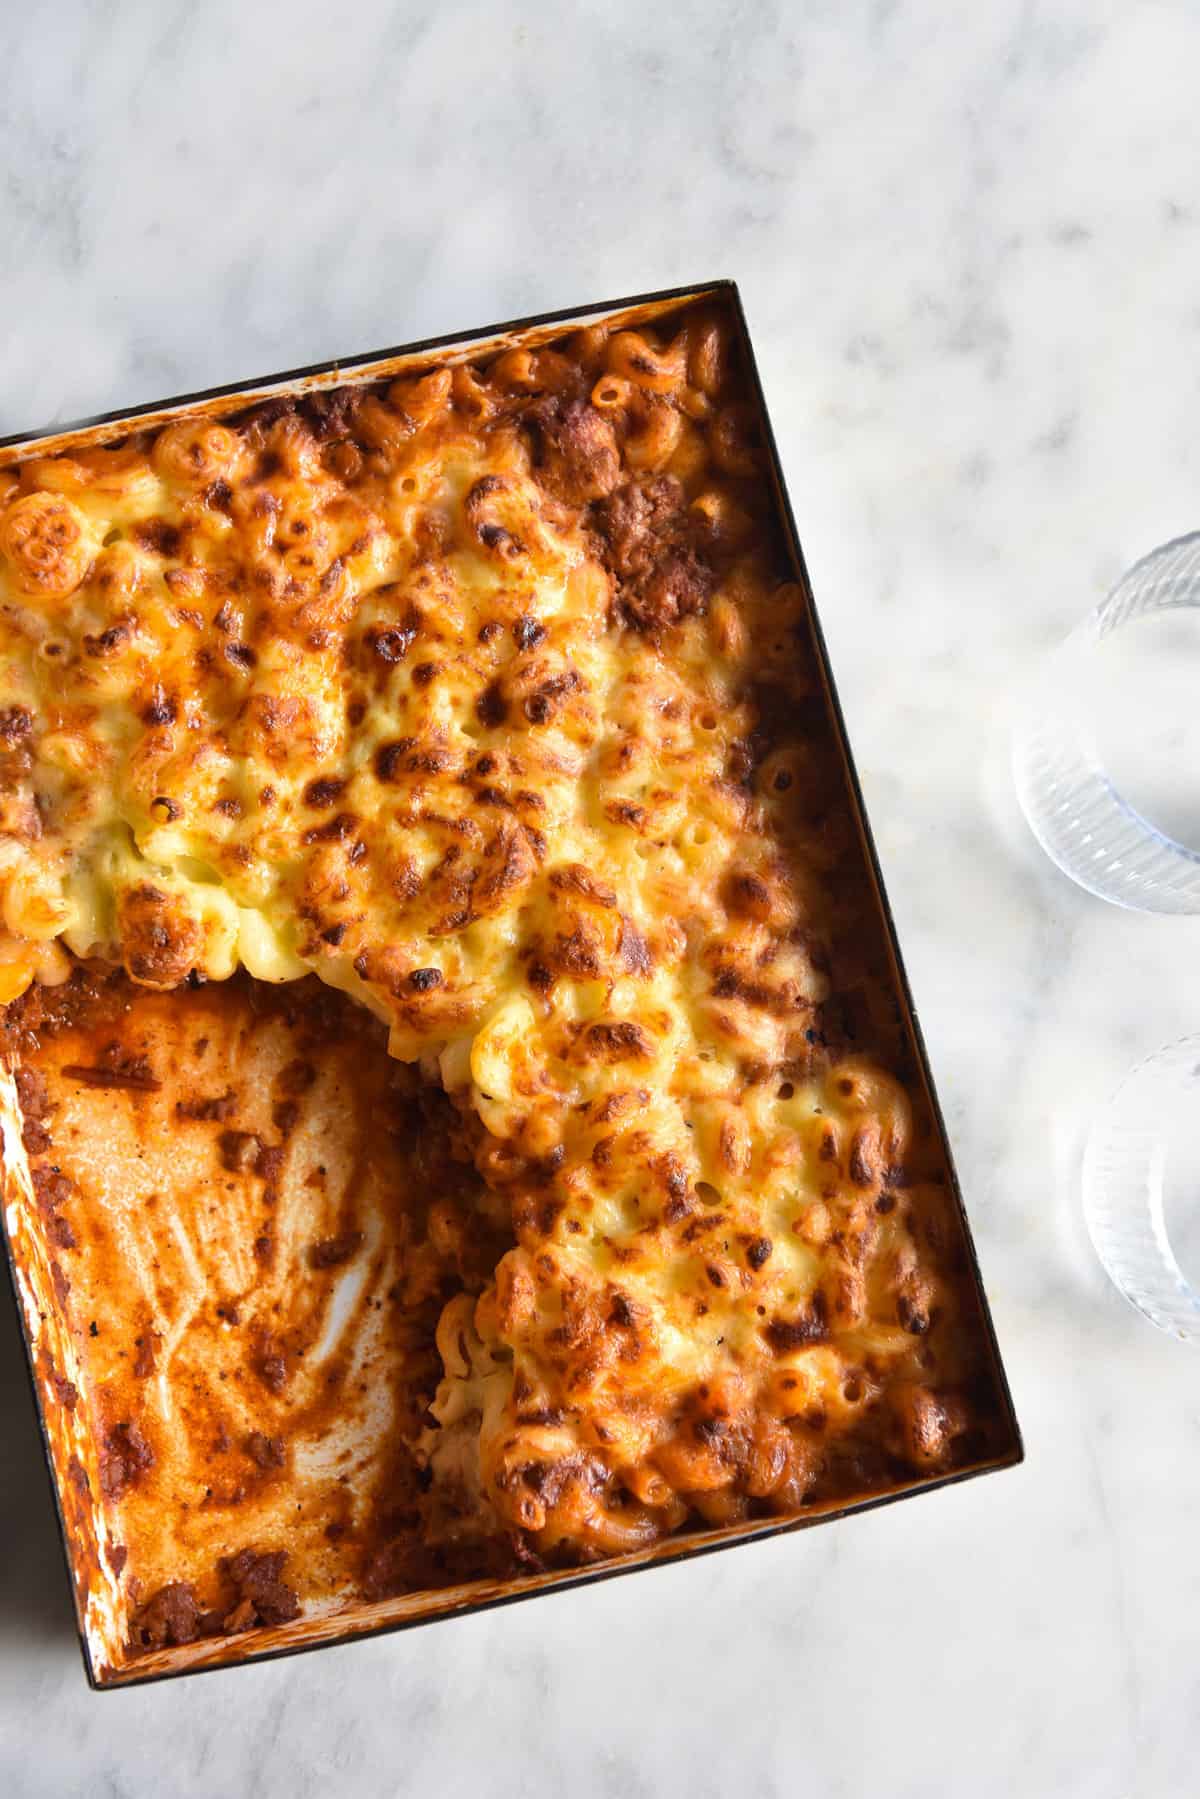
488,697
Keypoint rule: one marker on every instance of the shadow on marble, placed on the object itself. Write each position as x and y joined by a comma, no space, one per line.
35,1600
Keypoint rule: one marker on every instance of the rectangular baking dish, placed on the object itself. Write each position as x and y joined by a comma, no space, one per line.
70,1453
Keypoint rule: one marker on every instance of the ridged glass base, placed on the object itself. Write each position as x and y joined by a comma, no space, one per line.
1146,1138
1073,806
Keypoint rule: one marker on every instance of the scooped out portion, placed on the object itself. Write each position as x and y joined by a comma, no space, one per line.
257,1217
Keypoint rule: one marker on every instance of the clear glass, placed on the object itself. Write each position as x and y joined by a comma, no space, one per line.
1106,749
1141,1188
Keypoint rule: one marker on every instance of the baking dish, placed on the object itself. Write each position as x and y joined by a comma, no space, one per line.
73,1457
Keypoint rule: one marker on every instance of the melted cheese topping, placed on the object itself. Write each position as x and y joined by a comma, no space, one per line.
488,697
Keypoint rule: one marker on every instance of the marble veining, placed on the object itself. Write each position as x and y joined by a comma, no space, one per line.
969,244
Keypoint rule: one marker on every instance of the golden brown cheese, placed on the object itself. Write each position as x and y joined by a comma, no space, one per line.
488,696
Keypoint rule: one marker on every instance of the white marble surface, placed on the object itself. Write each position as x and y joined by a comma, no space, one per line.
969,240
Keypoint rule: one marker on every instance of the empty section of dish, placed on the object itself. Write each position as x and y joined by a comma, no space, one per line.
253,1217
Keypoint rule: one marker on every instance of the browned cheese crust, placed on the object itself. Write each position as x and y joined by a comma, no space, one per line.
489,697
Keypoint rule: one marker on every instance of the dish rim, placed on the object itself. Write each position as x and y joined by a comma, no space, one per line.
377,364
